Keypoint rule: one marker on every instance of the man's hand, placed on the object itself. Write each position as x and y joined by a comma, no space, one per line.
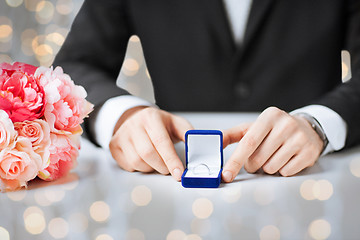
275,142
144,140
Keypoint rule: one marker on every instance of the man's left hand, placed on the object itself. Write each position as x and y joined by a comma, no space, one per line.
275,142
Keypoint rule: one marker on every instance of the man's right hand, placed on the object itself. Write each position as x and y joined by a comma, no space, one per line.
144,138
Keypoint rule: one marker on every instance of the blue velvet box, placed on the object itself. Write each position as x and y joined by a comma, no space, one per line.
204,159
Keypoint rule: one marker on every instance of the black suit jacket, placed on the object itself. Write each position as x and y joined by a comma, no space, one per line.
291,55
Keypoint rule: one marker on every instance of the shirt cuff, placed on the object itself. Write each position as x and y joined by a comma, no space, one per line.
334,126
109,114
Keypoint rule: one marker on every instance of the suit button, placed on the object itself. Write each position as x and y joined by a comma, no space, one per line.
242,90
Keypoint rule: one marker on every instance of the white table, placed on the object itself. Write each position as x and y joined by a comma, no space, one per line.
100,201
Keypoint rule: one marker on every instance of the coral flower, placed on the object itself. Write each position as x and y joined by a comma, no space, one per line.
66,106
21,95
63,154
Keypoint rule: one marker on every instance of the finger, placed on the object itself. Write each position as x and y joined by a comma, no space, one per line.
129,160
234,134
178,126
281,157
132,158
146,150
246,147
268,147
297,164
118,155
165,147
279,135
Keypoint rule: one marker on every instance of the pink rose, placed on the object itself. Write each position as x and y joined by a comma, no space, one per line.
18,66
18,165
66,106
21,95
63,154
7,131
38,132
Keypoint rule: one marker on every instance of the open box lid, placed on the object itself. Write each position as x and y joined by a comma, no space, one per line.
204,158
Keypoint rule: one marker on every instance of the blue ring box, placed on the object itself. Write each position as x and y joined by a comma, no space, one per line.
204,159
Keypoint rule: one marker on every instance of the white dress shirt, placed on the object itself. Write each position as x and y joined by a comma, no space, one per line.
238,12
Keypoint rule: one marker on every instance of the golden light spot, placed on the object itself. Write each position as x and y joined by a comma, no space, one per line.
14,3
18,195
32,4
193,237
134,39
55,194
58,228
56,38
44,53
78,222
64,7
323,190
34,220
176,235
270,232
130,67
41,199
320,229
263,195
5,31
55,28
141,195
135,234
37,41
71,185
44,12
31,210
355,167
306,189
202,208
46,61
345,70
4,234
345,65
104,237
232,195
99,211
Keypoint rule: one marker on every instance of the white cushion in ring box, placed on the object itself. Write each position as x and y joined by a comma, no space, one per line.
204,156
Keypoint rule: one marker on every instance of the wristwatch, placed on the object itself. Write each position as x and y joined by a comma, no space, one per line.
316,126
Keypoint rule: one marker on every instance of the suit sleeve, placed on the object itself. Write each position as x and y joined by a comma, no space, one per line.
94,50
345,99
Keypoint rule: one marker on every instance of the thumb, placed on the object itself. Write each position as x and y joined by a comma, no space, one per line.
235,134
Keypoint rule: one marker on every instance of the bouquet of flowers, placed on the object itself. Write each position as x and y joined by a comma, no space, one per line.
41,110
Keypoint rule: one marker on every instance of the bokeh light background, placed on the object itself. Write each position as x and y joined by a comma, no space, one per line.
33,31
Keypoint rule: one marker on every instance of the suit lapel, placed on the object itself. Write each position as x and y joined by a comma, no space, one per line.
259,11
220,28
218,18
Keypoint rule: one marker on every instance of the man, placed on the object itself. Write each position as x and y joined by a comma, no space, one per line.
200,58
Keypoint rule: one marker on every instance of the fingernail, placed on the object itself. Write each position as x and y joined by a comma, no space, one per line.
177,174
227,176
